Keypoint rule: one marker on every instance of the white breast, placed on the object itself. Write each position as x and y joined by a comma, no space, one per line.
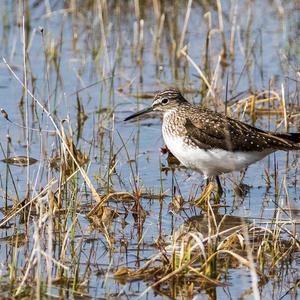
210,162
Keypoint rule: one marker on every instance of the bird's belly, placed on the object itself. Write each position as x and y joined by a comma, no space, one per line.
211,162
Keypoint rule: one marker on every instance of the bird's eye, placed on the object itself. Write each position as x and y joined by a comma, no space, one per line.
164,101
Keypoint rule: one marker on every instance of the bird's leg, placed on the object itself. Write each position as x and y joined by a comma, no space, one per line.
207,181
220,189
209,188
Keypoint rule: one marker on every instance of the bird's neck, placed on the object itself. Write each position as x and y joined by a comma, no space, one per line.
174,121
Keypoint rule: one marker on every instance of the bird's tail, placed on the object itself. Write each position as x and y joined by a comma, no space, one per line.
291,137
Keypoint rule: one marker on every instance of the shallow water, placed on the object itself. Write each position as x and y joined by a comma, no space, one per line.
83,49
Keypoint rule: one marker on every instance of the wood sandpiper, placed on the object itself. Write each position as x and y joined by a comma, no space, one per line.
212,143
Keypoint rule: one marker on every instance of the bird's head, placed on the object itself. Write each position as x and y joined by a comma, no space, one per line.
163,101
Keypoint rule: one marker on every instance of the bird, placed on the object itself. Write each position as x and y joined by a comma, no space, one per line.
209,142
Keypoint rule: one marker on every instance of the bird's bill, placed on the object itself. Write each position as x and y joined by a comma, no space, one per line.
139,113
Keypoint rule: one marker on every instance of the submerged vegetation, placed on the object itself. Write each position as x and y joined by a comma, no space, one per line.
95,208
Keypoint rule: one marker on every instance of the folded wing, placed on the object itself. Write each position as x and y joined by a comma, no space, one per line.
217,131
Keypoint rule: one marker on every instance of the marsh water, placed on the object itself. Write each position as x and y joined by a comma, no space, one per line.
91,64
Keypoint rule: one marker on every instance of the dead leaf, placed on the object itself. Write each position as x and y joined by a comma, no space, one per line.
20,161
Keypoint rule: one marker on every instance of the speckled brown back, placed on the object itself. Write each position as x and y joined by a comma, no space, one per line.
209,130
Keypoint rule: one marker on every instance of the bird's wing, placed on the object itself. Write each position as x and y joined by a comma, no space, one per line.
217,131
